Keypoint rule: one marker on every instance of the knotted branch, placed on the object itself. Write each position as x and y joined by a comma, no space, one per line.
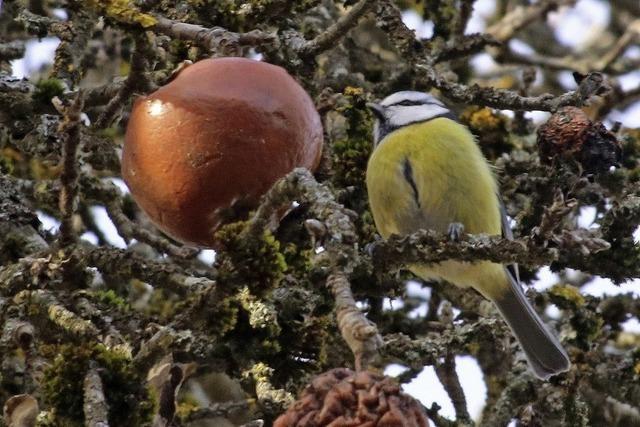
359,332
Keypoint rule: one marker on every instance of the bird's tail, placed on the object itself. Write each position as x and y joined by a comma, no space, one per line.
545,354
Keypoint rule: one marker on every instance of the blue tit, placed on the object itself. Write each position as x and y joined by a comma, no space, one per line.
427,172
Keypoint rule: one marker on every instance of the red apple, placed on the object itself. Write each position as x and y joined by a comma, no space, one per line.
214,140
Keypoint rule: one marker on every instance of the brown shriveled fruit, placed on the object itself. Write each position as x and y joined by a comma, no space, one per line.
343,398
204,148
570,134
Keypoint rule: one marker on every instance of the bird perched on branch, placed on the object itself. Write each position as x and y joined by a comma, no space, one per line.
427,172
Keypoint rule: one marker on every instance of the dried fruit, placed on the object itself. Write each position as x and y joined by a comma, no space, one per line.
343,398
570,134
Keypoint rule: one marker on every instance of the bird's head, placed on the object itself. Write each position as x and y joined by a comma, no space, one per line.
405,108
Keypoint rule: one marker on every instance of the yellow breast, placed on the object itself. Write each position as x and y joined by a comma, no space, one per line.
453,181
450,181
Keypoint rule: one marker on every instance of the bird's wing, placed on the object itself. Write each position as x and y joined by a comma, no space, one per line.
507,233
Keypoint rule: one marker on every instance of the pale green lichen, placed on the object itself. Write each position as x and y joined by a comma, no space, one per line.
123,11
261,314
70,322
566,296
266,393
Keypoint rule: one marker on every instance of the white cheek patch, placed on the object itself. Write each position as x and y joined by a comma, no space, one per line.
398,116
376,132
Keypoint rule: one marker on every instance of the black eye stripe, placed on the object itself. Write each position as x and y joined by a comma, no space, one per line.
410,103
407,102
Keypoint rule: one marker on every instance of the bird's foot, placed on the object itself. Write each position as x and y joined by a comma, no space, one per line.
370,248
455,231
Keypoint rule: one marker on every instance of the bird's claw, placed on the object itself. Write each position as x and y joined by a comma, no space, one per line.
370,248
455,231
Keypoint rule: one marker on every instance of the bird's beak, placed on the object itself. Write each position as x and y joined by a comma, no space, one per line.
376,109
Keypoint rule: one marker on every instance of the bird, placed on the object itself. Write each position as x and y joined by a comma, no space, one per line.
426,171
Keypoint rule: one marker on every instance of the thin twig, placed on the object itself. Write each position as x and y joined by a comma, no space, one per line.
129,230
466,9
438,420
155,348
124,264
330,37
520,122
619,413
389,19
137,80
446,372
593,83
522,16
111,197
604,63
43,25
100,95
619,99
70,130
216,39
462,46
224,42
632,34
96,409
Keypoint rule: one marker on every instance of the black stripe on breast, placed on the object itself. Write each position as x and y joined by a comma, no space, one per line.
408,175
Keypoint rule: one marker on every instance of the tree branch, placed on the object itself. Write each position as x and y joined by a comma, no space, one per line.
504,99
111,196
70,133
123,264
58,314
360,333
137,80
96,410
522,16
427,246
217,40
334,33
446,372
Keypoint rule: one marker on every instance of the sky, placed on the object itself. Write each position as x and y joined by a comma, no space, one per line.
574,27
